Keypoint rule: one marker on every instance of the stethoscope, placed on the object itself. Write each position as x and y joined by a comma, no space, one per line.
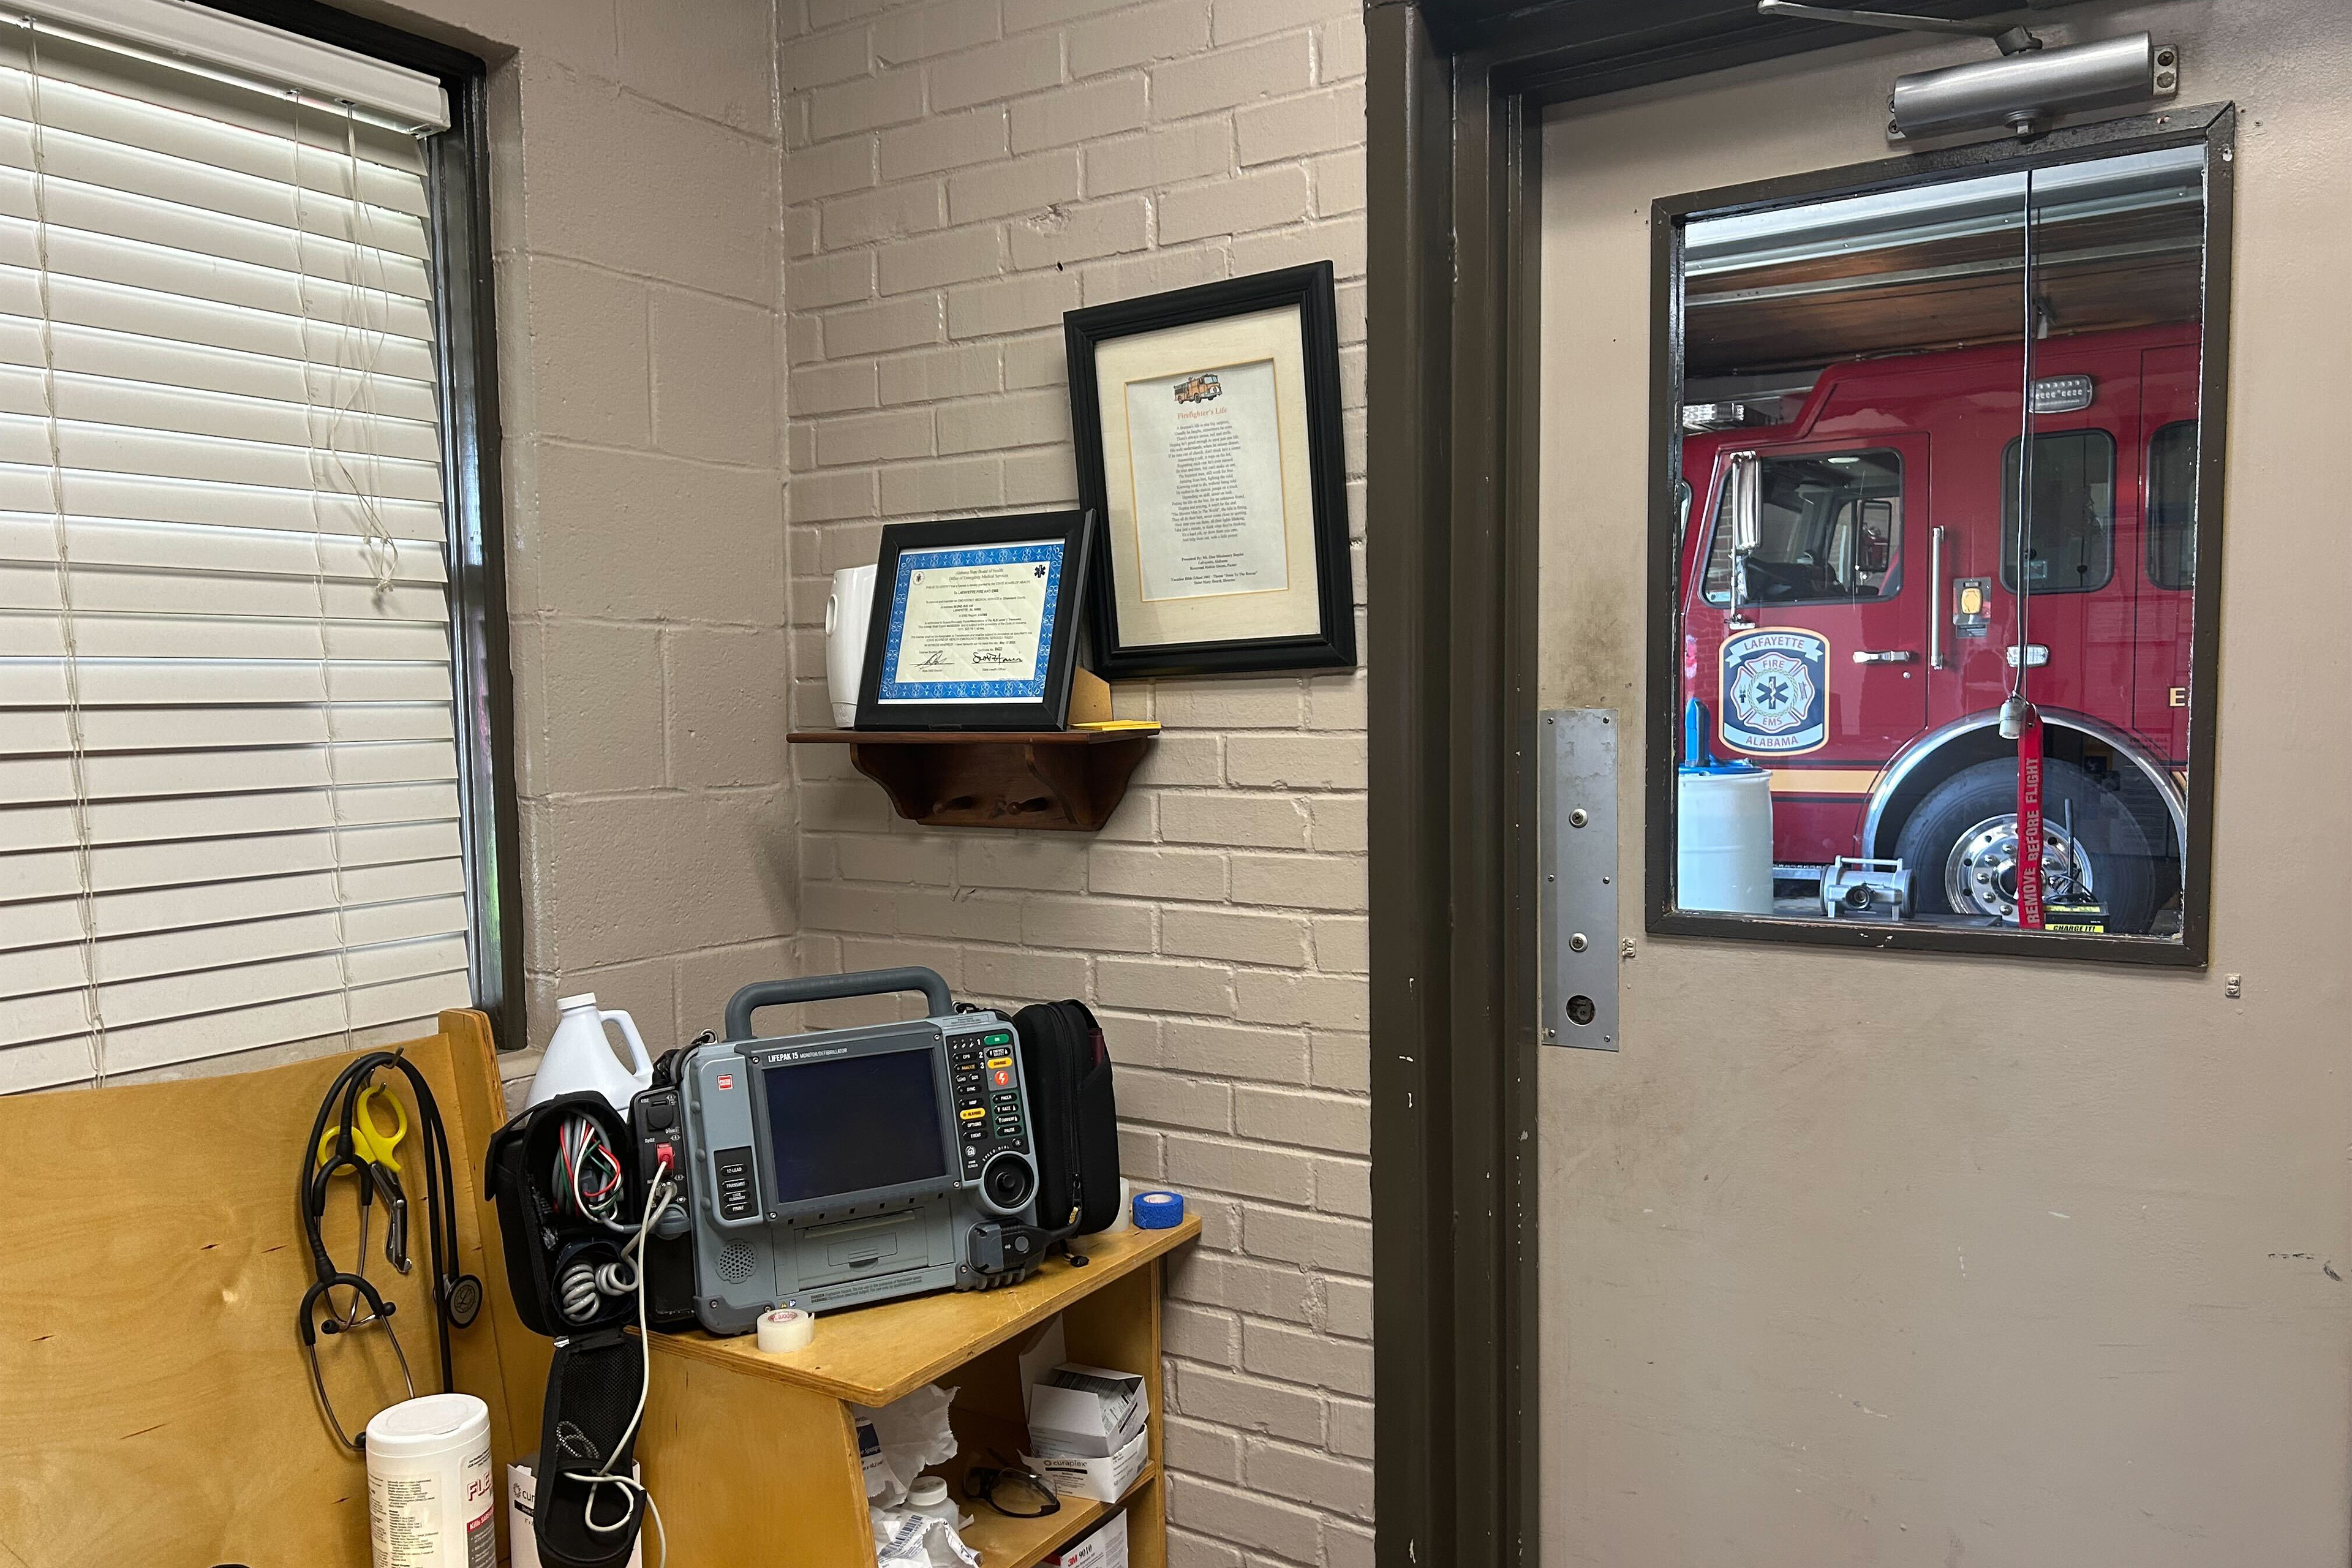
457,1297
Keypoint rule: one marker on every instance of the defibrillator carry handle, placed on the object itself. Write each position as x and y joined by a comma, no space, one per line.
833,988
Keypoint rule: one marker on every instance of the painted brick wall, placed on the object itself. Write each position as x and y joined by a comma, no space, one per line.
957,173
633,231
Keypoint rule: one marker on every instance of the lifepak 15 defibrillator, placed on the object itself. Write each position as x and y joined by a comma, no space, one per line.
844,1166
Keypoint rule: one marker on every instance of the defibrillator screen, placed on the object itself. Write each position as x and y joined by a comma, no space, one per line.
853,1124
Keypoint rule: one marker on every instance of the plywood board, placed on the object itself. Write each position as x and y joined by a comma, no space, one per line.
873,1355
154,1402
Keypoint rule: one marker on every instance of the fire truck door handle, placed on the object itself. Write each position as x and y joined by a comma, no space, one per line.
1935,611
1883,655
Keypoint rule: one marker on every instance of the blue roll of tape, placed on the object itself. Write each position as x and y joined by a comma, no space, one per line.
1158,1211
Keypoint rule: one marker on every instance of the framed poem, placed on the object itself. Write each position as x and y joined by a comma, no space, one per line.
1207,428
975,623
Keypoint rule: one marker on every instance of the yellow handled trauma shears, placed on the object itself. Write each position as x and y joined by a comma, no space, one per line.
373,1151
369,1142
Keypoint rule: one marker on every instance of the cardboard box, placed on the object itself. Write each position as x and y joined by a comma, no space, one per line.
1105,1478
1106,1548
1087,1412
522,1491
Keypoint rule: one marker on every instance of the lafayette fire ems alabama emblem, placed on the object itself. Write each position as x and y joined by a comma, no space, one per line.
1776,691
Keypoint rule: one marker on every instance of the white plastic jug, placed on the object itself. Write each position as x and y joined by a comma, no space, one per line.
580,1056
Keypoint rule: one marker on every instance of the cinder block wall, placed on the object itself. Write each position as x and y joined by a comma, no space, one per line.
957,175
634,222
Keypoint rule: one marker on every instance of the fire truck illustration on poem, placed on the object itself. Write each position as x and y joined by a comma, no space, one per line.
1860,648
1201,388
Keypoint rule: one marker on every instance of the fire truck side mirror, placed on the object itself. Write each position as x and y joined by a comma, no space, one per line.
1744,488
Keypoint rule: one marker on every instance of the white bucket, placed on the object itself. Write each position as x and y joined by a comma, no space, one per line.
432,1502
846,613
1724,850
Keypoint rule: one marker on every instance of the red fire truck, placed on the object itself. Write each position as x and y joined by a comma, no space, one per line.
1861,647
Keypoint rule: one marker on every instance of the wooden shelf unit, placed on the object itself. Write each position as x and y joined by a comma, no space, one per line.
754,1460
1067,779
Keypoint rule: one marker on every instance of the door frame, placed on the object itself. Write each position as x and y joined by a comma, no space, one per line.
1455,93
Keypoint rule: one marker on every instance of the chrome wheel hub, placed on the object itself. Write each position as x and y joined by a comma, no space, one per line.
1980,873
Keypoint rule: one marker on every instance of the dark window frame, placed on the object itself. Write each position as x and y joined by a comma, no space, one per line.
458,180
2009,553
2149,469
1892,588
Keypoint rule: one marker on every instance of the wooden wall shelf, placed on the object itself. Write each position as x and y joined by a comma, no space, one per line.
754,1457
1068,779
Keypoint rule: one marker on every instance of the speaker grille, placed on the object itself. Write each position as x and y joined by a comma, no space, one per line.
736,1262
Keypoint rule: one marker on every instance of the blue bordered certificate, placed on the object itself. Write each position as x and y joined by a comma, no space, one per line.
972,623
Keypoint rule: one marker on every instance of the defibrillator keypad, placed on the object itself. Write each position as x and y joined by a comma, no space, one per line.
987,1087
737,1199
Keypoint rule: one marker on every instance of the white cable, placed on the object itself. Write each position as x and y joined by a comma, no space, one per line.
319,592
77,758
381,548
657,1202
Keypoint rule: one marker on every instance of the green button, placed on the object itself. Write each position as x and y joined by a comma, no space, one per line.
999,1039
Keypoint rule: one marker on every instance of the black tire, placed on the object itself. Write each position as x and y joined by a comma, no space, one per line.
2123,865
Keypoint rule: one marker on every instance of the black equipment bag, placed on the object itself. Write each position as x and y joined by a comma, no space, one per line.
587,1429
546,1244
1075,1114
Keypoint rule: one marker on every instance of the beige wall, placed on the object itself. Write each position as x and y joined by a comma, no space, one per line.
957,175
1910,1260
634,223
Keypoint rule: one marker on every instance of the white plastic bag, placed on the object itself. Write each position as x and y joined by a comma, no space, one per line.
917,1541
910,1435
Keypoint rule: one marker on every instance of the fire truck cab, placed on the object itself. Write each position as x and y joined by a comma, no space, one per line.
1887,555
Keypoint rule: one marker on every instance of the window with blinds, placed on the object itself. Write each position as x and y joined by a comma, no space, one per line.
229,792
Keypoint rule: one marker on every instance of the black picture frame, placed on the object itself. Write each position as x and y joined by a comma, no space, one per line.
1074,529
1310,289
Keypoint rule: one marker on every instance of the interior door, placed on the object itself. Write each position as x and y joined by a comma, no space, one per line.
1854,1257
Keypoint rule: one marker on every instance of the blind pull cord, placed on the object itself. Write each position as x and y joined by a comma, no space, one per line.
77,751
381,547
319,588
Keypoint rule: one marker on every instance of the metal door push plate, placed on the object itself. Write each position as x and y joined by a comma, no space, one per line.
1576,753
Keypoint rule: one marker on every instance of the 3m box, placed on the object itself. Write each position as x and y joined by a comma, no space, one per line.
1106,1548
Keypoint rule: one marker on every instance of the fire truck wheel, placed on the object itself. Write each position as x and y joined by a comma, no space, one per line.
1961,846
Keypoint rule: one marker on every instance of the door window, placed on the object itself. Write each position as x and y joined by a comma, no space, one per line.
1852,730
2072,550
1832,535
2172,506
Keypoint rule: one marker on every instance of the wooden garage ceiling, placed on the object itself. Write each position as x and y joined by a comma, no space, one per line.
1815,286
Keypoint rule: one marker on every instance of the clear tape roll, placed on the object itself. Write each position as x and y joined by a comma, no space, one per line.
787,1328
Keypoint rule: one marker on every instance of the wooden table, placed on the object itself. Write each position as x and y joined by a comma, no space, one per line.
753,1459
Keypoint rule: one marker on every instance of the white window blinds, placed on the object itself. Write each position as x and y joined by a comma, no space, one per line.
228,778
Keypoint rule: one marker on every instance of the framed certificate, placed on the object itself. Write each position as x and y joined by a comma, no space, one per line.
975,624
1207,427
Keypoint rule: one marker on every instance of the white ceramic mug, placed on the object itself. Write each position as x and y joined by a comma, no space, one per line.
847,611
